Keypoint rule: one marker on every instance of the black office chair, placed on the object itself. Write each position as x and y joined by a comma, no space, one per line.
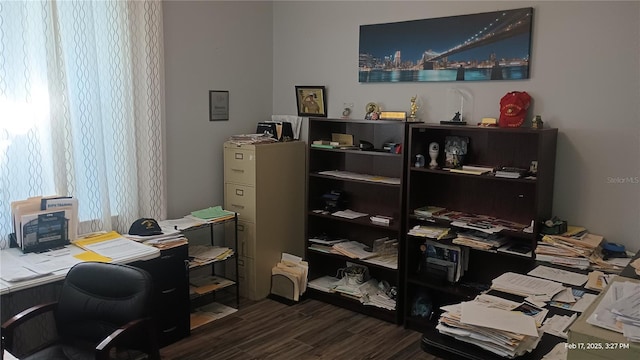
103,310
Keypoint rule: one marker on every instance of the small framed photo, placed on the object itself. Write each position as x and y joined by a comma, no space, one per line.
218,105
311,101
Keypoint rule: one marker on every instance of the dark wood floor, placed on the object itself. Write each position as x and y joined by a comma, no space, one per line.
311,329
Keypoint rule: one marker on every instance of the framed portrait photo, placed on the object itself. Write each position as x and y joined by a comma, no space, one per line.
218,105
311,101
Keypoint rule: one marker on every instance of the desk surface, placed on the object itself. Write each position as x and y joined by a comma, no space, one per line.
14,254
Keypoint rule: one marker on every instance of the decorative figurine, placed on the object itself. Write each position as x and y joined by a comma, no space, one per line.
434,150
456,117
414,109
537,122
419,161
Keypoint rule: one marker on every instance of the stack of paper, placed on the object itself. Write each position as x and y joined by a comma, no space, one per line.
215,213
204,254
503,332
618,310
479,240
296,270
44,222
571,251
353,249
539,290
433,232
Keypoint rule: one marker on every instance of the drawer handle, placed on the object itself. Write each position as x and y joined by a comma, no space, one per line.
238,206
240,262
239,156
238,170
173,328
165,257
239,192
168,291
240,227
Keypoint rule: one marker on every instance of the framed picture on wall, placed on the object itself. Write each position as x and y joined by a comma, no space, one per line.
311,101
218,105
473,47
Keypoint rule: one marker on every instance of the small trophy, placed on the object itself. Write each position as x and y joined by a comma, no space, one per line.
414,109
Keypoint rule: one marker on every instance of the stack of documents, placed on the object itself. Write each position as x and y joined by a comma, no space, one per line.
494,328
41,223
353,249
248,139
212,214
479,240
569,250
619,310
433,232
538,290
204,254
296,270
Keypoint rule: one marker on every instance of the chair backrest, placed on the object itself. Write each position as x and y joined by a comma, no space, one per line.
97,298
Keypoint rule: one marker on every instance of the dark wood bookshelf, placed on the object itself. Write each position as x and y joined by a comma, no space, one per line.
519,200
369,197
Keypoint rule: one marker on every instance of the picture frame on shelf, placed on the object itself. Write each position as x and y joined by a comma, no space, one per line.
311,101
218,105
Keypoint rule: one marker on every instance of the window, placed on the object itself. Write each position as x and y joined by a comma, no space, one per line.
80,108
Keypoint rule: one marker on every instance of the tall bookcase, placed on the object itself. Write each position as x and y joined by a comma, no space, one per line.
364,194
520,200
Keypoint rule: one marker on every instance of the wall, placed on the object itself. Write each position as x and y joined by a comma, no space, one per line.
585,80
211,45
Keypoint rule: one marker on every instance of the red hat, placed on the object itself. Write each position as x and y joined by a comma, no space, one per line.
513,108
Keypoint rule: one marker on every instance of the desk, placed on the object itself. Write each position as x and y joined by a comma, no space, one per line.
15,253
20,295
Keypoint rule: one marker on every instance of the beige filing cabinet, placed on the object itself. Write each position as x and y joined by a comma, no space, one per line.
590,342
265,185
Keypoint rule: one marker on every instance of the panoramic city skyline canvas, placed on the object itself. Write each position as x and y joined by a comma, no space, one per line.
485,46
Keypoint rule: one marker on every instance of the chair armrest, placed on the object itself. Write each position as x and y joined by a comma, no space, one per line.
11,324
135,329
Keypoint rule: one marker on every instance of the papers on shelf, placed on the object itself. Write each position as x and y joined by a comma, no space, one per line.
353,249
433,232
181,223
212,213
563,276
205,254
361,177
208,283
348,214
559,352
324,283
243,139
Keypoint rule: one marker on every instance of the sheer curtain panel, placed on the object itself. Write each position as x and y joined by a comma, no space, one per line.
81,94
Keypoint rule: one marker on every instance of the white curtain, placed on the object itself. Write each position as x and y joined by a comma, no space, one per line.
81,94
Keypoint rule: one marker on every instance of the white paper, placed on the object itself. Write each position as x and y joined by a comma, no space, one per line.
513,321
563,276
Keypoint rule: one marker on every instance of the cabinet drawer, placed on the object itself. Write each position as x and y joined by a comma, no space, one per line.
246,238
239,166
241,199
246,268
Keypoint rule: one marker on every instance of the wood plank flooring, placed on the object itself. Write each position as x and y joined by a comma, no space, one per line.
311,329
